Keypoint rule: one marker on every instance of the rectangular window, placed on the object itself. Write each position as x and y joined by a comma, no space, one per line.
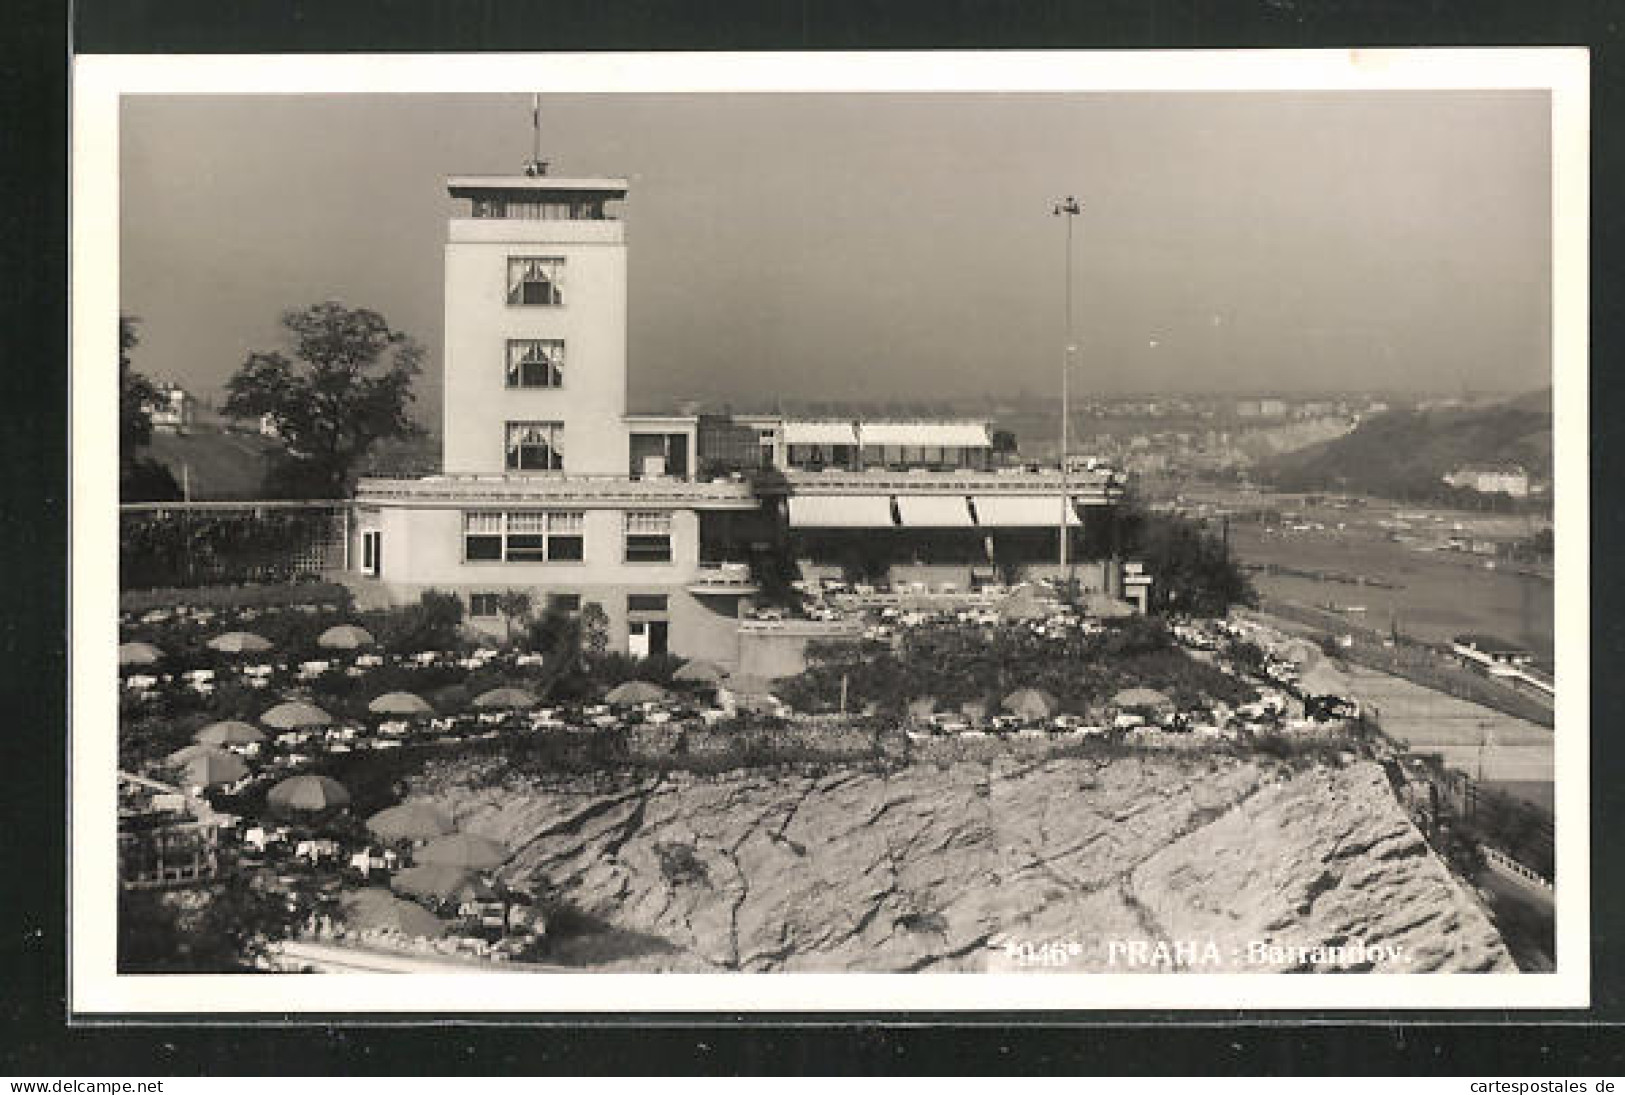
566,537
567,602
535,363
482,536
648,537
646,602
524,536
535,446
482,605
536,281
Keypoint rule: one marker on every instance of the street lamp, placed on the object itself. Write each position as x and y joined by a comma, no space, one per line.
1068,207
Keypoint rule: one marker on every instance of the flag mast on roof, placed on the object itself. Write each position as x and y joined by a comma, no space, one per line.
536,167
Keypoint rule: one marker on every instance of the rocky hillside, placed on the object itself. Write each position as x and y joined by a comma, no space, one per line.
975,864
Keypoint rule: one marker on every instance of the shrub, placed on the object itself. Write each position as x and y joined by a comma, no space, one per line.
680,866
434,623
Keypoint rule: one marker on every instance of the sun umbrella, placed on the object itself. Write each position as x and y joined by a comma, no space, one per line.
229,732
138,654
213,768
375,908
410,821
464,850
1024,603
1142,698
310,793
698,672
345,637
1031,703
923,707
632,693
1102,607
745,684
400,703
295,715
238,642
185,754
439,881
505,697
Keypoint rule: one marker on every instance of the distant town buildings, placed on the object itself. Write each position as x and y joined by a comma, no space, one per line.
1261,408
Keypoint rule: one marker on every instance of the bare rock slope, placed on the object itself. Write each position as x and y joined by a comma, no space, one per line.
971,865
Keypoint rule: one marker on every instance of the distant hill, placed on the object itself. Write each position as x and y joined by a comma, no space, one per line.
1406,454
218,466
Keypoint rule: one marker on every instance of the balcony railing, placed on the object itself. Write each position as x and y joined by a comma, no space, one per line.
724,578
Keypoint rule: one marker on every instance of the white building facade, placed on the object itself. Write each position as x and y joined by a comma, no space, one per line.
550,487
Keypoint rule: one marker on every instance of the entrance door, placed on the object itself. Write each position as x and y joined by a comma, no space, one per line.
658,630
372,556
637,639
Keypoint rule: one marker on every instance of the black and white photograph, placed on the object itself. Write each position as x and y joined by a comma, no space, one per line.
1055,531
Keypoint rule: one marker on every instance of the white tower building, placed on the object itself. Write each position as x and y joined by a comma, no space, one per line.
535,353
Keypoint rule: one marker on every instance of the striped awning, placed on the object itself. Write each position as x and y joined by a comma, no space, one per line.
819,433
1026,511
934,511
946,433
840,511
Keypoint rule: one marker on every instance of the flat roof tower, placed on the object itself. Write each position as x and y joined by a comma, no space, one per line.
535,327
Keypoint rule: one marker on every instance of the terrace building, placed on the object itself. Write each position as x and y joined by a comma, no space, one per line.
666,522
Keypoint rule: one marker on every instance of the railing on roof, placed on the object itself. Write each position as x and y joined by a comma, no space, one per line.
1104,484
602,489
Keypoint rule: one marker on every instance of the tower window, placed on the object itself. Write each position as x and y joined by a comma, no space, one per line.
536,281
535,446
535,362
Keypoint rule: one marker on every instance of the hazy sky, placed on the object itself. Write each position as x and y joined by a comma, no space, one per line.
841,246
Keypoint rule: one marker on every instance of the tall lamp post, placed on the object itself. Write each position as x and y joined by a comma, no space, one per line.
1068,208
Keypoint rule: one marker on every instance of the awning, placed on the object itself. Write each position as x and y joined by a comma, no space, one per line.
1022,511
819,433
933,511
840,511
950,434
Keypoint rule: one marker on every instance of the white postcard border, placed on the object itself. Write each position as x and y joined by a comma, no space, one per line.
100,81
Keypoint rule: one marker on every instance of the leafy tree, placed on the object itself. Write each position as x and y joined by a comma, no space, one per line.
347,386
434,623
515,606
556,636
135,392
594,630
222,929
1193,572
141,478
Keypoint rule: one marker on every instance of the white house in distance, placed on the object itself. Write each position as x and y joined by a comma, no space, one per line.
1509,479
550,486
174,411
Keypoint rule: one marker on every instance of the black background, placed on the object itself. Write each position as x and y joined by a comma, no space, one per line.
35,45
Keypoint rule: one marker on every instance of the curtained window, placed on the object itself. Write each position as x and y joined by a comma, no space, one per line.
535,363
535,446
537,281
